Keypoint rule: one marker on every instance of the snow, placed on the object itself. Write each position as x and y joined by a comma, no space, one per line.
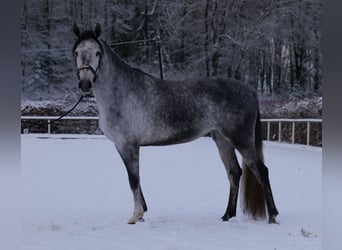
77,196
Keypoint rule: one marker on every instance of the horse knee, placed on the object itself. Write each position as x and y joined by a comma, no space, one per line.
234,176
134,180
130,156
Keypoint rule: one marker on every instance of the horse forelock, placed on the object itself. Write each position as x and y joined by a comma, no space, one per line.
87,35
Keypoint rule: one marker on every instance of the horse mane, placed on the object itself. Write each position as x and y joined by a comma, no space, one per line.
122,63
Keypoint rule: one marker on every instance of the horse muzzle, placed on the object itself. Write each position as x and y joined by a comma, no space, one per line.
85,86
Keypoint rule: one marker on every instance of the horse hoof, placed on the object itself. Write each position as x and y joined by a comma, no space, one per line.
132,220
272,220
226,217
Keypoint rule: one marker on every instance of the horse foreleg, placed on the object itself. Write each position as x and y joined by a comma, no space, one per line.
130,156
227,154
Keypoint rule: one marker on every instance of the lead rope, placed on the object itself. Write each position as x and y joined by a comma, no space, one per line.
59,118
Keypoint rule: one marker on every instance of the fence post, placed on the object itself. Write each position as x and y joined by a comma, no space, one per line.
268,130
49,127
293,132
279,132
308,133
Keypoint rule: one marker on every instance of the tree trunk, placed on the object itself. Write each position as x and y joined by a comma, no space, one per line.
276,66
317,70
207,37
146,30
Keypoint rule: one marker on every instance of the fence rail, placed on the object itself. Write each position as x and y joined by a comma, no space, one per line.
280,122
51,118
279,133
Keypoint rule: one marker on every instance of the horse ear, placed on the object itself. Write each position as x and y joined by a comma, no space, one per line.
97,30
77,30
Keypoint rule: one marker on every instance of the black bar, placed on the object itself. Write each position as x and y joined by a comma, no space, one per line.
132,42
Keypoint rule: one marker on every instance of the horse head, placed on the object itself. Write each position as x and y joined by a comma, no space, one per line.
88,52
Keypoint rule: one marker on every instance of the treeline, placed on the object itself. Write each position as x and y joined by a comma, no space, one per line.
275,45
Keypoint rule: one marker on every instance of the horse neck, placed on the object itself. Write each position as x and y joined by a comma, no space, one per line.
114,80
116,73
117,69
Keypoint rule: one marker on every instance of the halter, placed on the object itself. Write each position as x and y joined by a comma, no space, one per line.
88,66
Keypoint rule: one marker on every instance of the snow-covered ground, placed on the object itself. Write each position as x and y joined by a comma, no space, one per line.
77,196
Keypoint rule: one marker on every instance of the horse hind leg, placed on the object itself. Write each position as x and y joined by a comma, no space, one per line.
130,157
228,157
246,142
260,172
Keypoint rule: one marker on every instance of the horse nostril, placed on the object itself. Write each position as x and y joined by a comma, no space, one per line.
85,85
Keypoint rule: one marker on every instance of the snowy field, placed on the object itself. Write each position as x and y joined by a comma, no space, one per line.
77,197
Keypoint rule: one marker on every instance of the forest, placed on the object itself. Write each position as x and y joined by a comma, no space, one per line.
273,45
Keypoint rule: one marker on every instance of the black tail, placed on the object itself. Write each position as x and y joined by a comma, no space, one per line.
252,191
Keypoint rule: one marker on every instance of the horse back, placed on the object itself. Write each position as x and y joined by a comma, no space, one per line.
179,111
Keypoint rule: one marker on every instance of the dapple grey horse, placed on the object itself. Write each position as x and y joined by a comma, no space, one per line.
137,109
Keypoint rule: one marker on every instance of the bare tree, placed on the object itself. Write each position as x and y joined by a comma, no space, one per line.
275,45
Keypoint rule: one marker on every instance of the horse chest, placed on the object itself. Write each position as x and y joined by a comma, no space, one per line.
115,124
106,121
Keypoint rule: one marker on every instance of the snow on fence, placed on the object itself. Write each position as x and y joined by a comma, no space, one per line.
306,131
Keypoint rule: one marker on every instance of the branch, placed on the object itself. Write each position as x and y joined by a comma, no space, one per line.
232,39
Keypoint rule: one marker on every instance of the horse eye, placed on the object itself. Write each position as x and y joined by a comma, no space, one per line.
76,54
98,53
